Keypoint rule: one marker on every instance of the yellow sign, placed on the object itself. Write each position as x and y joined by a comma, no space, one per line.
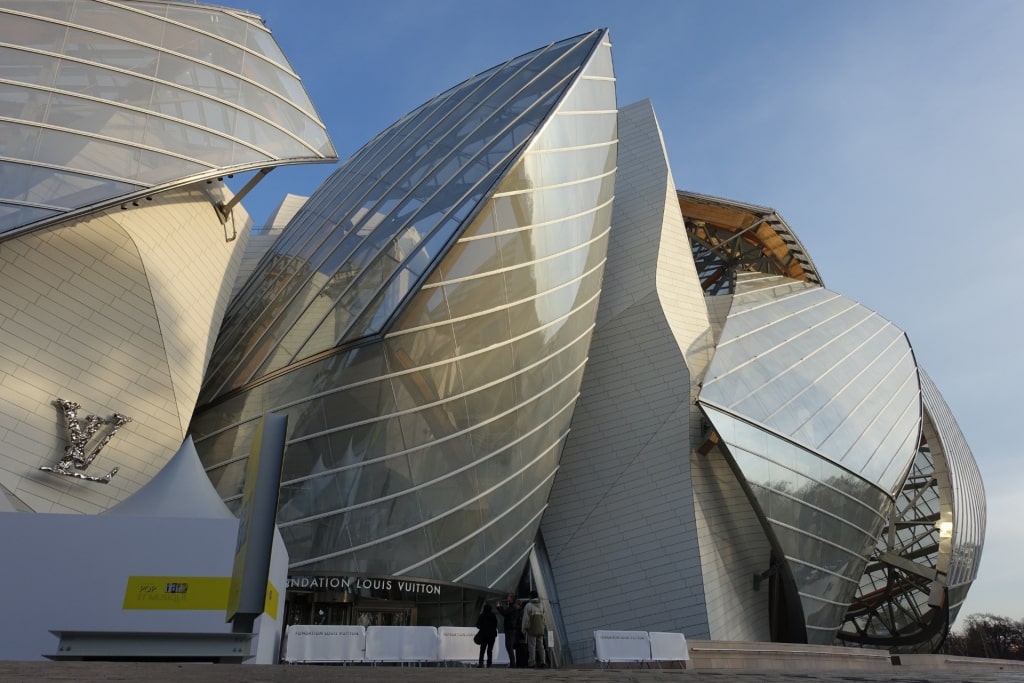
186,592
176,592
270,605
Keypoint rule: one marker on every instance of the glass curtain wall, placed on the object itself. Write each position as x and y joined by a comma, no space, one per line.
817,401
426,444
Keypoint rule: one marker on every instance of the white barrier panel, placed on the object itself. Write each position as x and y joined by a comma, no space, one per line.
324,643
622,646
500,656
402,644
668,647
456,645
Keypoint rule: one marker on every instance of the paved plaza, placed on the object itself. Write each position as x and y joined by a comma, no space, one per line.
46,672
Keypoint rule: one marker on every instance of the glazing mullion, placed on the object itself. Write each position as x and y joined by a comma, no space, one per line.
512,508
413,450
177,86
511,537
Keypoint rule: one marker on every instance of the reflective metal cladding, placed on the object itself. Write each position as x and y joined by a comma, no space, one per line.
102,101
424,320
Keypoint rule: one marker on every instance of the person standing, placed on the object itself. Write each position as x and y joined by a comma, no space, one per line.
487,627
534,625
509,611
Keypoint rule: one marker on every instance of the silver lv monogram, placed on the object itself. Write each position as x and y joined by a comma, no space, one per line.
81,434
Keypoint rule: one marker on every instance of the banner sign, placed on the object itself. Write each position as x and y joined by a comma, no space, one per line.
622,646
324,643
187,592
176,592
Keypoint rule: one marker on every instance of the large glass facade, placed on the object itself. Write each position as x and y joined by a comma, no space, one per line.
824,519
818,403
450,294
105,100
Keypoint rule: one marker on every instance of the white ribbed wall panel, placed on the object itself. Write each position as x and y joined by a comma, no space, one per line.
733,549
115,312
733,544
620,529
190,267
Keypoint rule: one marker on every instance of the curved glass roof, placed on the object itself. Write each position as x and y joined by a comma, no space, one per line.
373,231
103,101
820,370
728,237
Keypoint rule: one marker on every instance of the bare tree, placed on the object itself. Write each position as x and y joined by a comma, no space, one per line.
988,635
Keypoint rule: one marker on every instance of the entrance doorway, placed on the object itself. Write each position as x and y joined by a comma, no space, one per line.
317,609
371,613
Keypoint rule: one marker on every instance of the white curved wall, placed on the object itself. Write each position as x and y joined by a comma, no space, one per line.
116,312
626,514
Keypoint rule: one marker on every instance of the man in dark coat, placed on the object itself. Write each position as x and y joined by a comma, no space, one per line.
510,614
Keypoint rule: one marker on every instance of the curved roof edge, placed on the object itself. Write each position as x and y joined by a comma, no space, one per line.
761,228
145,192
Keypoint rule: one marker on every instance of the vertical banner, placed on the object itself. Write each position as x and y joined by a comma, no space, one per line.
257,519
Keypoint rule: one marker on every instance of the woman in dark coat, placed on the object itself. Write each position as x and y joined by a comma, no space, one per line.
487,624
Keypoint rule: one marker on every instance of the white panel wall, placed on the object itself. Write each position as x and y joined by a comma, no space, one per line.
190,267
733,545
733,549
69,572
620,530
116,312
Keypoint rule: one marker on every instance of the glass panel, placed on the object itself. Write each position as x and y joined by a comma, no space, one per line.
26,67
198,76
107,51
260,41
32,33
108,85
209,20
141,27
54,10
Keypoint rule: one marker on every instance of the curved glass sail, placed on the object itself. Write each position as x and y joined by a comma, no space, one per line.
428,449
370,234
817,401
100,101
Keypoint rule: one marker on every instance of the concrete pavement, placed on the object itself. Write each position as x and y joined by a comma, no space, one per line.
117,672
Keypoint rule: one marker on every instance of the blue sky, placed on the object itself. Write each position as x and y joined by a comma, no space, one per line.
888,135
